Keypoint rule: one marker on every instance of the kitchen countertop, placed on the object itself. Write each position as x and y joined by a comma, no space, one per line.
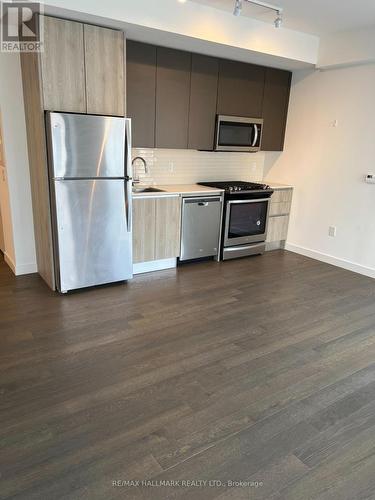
195,189
276,185
181,189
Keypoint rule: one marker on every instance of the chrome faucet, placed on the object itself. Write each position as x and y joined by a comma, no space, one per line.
136,179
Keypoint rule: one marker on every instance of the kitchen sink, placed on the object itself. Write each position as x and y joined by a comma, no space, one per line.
147,190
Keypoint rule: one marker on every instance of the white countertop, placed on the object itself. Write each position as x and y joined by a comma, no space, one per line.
277,185
194,189
180,189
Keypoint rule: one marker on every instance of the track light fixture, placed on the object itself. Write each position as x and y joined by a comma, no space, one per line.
279,11
238,8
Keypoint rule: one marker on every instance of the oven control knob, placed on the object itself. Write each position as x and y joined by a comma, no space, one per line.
230,189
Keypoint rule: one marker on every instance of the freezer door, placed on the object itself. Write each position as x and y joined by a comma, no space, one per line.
93,244
86,146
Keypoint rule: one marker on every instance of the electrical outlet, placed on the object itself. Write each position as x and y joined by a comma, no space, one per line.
332,231
171,167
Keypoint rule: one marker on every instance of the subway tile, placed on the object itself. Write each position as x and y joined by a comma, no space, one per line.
180,166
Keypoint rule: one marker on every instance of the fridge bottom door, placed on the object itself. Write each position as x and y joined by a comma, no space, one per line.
93,244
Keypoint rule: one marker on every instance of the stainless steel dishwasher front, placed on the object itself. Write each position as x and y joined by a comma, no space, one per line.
201,227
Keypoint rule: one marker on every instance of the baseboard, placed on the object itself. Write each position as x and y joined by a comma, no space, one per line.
10,263
154,265
330,259
18,270
26,269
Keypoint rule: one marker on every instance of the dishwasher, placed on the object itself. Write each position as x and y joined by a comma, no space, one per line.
201,227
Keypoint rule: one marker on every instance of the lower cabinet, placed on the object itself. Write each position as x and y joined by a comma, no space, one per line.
277,229
156,228
144,225
167,228
278,221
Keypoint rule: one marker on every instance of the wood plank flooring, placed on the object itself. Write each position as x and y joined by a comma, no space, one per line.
259,370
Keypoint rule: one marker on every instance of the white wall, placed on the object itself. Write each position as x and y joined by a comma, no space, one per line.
326,164
196,27
6,216
17,165
347,48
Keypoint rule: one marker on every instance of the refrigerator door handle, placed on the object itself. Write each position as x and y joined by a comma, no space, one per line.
128,174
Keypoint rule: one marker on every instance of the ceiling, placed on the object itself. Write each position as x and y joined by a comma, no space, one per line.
317,17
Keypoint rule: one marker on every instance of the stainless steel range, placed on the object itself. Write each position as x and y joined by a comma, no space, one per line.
245,217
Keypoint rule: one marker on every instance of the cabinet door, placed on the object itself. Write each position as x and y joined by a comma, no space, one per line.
172,98
144,218
141,92
240,91
63,66
203,101
168,224
277,228
275,108
105,75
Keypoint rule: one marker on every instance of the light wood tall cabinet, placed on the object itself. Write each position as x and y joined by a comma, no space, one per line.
83,68
66,77
156,228
63,66
105,70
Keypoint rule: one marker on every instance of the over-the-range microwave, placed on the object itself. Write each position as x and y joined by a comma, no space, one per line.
236,133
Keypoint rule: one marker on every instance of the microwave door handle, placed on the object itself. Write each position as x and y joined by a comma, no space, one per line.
256,134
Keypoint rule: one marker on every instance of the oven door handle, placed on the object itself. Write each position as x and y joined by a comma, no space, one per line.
255,135
256,200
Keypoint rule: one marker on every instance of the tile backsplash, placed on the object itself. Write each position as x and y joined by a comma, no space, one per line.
183,166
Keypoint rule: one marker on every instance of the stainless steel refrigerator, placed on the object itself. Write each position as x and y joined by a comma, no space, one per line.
89,160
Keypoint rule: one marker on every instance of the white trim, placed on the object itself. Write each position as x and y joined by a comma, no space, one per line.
30,268
18,270
10,263
154,265
330,259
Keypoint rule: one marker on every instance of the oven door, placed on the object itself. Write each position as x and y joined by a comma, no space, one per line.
246,221
238,134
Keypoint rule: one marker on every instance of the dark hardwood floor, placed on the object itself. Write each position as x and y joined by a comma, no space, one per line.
258,370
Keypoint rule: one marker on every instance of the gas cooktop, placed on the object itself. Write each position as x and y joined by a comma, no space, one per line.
237,186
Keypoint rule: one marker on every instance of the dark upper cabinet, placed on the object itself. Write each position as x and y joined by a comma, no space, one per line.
141,92
240,91
203,100
275,108
172,98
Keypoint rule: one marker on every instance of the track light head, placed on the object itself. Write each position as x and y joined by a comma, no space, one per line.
238,8
279,20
